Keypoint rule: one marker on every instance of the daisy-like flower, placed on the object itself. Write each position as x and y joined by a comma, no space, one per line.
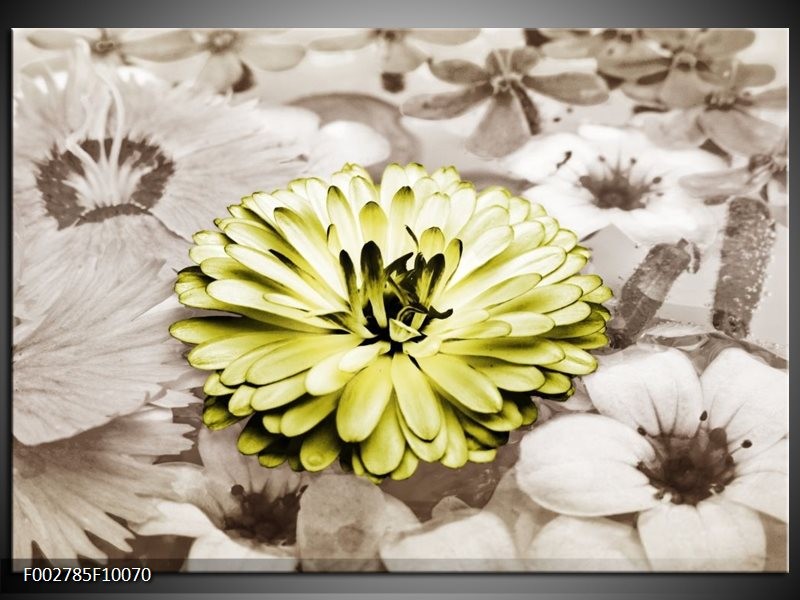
728,116
605,175
379,323
231,54
242,517
98,158
691,65
609,47
512,116
70,493
398,56
696,459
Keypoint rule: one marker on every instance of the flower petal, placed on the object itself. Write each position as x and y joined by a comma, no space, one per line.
657,390
575,544
458,71
352,41
54,39
574,88
748,398
418,403
221,71
448,37
739,132
585,465
503,128
724,42
715,535
762,482
176,518
217,551
272,57
163,47
447,105
401,57
479,542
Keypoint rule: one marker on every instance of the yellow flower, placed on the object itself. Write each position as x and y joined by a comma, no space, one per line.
386,324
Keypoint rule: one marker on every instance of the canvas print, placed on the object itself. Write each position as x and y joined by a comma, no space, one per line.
400,299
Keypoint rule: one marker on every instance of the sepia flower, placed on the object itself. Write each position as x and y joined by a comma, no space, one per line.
378,324
691,65
242,517
759,175
610,47
112,46
101,158
604,175
695,458
512,116
730,116
231,54
398,56
69,495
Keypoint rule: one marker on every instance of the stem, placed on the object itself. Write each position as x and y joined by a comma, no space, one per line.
746,249
644,293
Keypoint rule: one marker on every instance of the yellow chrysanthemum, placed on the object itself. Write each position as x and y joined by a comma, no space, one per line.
387,324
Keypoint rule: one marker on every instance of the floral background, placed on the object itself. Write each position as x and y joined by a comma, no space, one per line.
664,150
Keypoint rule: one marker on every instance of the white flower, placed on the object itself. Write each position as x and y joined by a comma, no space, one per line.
65,490
697,458
242,516
604,175
170,160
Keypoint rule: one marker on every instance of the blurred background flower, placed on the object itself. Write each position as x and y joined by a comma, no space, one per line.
241,516
512,115
231,54
603,175
398,54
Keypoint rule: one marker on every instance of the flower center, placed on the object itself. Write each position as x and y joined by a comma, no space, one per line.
723,99
100,176
104,46
615,186
221,40
393,303
689,470
272,522
390,35
96,180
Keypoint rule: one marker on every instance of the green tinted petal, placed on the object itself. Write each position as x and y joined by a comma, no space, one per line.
364,400
254,438
320,447
383,450
417,402
307,413
464,383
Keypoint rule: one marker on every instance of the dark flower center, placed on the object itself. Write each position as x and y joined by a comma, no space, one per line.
724,99
104,46
221,40
689,470
391,35
406,299
615,186
271,522
95,181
